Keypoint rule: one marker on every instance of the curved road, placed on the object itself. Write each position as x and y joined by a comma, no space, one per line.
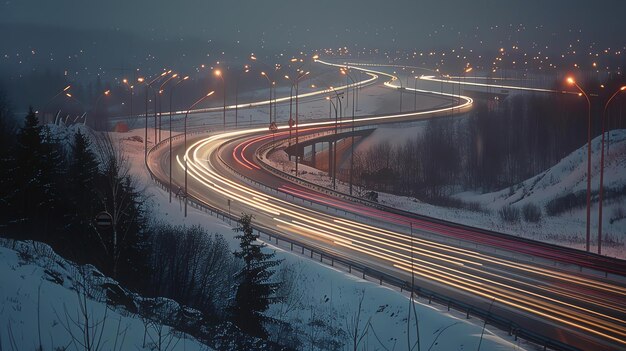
581,310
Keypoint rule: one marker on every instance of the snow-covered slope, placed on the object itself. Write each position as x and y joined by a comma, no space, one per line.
568,176
48,302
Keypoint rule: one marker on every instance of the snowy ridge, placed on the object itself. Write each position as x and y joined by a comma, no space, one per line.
49,302
568,176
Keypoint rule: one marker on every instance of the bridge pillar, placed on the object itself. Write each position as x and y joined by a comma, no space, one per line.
313,154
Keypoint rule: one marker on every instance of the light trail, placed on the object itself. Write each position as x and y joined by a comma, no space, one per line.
469,271
497,86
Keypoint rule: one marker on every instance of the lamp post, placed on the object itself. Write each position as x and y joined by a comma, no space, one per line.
334,154
132,92
601,190
170,135
571,81
218,73
156,113
161,89
148,86
271,86
344,72
185,136
246,69
335,142
401,89
43,111
95,105
295,81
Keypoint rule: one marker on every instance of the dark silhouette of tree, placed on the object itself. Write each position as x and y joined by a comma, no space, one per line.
82,194
255,290
33,198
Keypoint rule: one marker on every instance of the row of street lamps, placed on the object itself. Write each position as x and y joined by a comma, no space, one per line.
573,82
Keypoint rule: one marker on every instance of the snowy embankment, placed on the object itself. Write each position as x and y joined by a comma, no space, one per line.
568,176
323,304
48,303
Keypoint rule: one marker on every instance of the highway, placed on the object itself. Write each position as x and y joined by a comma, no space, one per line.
583,310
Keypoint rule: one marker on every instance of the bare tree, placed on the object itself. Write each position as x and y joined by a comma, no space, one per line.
353,324
118,199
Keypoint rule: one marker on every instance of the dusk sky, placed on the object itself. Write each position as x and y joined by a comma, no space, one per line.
315,23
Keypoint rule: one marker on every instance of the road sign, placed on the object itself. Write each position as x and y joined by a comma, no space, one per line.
104,220
291,122
273,127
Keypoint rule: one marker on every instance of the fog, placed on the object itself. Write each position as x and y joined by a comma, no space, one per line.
86,41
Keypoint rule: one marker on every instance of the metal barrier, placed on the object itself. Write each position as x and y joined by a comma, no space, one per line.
353,267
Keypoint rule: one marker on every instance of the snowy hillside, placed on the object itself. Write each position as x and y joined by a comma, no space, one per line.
49,303
566,177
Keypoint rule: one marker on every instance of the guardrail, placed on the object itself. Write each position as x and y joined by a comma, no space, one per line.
365,272
261,156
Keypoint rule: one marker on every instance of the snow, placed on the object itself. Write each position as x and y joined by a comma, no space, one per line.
321,293
43,302
568,175
330,294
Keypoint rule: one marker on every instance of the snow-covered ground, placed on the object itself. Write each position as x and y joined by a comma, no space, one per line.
567,176
48,303
326,294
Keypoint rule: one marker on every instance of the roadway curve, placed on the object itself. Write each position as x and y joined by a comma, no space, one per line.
585,311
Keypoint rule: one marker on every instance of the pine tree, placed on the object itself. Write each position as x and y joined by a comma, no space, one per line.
255,291
7,141
82,176
26,193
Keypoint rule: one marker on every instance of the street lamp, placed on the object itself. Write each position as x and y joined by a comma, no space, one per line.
295,81
170,135
333,165
132,92
601,190
271,83
185,136
43,111
335,142
571,81
218,73
246,69
161,89
148,86
344,72
95,106
401,89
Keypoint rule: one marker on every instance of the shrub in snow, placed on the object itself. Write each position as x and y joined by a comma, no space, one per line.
531,212
618,214
509,214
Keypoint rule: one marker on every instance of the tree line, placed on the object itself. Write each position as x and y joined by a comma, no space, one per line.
51,191
498,144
